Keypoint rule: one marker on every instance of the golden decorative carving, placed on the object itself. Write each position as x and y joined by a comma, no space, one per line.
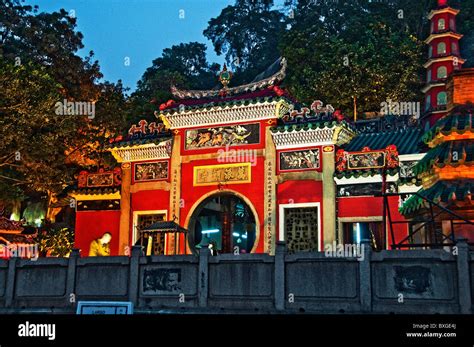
217,174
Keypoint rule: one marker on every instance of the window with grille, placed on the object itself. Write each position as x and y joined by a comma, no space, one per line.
145,220
301,229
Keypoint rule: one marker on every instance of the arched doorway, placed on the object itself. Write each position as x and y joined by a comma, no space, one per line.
226,220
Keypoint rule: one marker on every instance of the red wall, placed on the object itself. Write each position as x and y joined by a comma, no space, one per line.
90,225
253,191
370,206
149,200
300,192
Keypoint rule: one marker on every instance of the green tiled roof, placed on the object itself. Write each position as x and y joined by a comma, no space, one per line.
406,140
364,173
310,126
95,191
137,142
442,155
165,226
459,123
409,181
227,103
443,192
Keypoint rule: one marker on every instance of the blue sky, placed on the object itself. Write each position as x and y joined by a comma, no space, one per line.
137,29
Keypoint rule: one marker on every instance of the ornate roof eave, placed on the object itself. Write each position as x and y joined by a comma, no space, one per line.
445,58
330,134
88,194
444,34
444,193
237,113
454,127
443,10
250,87
364,177
432,85
442,137
142,152
450,153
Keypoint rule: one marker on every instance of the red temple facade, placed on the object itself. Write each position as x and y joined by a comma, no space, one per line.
244,167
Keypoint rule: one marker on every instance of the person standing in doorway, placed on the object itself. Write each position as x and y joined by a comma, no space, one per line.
100,247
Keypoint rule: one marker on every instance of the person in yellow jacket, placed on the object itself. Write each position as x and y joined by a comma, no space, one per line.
100,247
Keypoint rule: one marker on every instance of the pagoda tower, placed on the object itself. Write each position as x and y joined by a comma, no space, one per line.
446,170
443,59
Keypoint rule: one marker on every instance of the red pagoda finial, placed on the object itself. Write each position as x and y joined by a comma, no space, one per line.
442,3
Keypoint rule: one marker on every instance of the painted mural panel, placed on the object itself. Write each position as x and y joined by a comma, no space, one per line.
365,160
151,171
406,169
308,159
232,135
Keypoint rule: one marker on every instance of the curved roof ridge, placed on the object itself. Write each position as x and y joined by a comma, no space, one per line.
252,86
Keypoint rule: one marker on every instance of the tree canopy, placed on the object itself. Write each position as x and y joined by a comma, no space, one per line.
41,149
247,33
184,65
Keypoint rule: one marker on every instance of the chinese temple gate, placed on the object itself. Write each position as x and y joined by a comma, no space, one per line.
244,167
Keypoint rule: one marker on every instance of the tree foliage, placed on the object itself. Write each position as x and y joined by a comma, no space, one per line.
55,242
362,51
39,67
184,65
247,33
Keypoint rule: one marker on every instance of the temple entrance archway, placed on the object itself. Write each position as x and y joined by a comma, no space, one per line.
226,219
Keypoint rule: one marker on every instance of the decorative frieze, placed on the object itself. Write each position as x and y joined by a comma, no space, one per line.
226,114
100,179
233,135
148,151
302,138
299,160
150,171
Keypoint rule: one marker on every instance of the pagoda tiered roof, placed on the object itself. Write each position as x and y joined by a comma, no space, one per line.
446,170
453,153
462,125
444,193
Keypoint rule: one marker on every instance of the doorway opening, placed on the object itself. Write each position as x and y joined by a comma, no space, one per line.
225,221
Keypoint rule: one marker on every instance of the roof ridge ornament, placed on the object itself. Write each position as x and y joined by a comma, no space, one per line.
249,87
442,3
225,76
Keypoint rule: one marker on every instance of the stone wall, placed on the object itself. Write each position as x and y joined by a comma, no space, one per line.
421,281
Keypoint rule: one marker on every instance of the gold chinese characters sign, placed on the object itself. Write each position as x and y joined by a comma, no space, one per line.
222,174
